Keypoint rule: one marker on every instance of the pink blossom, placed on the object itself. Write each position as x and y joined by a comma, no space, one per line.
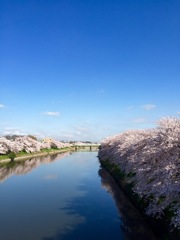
154,156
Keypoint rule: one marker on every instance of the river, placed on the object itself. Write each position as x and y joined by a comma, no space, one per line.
66,197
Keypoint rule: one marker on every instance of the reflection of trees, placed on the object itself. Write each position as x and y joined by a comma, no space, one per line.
25,167
133,224
151,159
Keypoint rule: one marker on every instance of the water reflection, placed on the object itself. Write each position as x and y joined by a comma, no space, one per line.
64,200
133,224
34,205
24,167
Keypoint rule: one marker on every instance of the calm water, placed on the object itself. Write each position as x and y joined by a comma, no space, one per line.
65,197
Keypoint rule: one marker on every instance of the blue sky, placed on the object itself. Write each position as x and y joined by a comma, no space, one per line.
85,70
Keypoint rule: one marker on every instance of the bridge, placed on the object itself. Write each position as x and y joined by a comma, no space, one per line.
91,147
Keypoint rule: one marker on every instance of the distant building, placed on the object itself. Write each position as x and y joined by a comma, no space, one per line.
47,140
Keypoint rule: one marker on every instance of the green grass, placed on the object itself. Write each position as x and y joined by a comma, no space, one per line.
20,154
2,157
25,154
141,203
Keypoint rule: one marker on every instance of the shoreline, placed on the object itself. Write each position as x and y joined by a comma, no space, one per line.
51,152
40,154
160,227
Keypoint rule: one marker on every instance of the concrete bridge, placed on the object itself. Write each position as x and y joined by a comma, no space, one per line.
90,147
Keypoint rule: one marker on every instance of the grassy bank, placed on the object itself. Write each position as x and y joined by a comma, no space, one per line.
160,226
24,155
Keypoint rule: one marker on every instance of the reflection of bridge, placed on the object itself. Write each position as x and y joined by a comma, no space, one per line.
90,147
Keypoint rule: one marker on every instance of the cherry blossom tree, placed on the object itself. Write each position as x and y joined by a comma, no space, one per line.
153,156
28,144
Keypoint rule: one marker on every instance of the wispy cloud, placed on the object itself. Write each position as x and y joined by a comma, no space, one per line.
13,131
55,114
12,128
84,131
148,107
2,105
139,120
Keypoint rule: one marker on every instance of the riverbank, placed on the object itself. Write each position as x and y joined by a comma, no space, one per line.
161,227
44,152
145,163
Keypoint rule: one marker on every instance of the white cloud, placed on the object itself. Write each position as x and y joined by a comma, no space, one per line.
51,113
13,131
139,120
148,107
2,105
12,128
84,131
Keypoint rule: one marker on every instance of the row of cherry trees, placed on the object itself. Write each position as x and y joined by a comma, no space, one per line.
154,158
28,145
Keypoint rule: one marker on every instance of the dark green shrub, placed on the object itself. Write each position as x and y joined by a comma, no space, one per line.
12,156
